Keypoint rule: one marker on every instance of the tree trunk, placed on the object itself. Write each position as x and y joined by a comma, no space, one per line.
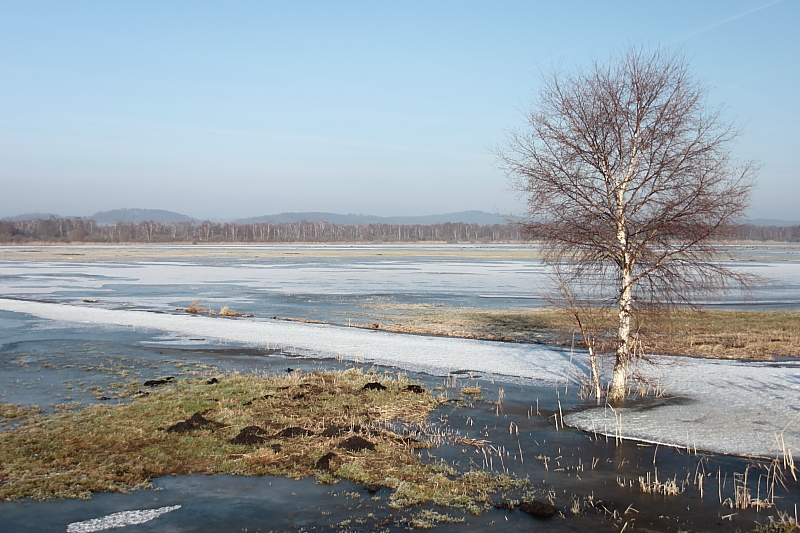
619,378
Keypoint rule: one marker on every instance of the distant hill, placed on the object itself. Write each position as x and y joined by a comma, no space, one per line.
468,217
135,216
32,216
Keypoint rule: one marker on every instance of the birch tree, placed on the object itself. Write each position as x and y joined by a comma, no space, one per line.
629,183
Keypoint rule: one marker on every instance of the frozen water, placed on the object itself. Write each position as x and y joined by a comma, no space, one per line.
451,279
730,407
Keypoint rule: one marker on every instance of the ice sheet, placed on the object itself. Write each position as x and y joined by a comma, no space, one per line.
731,407
742,408
437,355
465,277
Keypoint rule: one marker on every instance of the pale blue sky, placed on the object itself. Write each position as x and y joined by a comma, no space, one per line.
235,109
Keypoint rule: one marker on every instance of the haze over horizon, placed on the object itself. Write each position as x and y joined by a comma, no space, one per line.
241,110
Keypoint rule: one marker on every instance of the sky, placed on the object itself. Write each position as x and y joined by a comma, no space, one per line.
236,109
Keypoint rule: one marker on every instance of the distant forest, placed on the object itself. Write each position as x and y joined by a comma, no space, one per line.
66,230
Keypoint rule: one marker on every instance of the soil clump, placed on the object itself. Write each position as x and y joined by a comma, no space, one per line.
324,462
356,444
196,421
250,435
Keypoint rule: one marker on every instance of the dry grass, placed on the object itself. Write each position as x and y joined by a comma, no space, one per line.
718,334
12,414
726,334
195,308
227,311
121,448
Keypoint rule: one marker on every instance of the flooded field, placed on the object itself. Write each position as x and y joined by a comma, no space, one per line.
92,328
332,283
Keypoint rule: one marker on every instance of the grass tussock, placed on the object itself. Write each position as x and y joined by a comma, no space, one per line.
717,333
299,423
195,308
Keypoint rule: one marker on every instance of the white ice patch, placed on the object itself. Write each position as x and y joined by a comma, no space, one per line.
122,519
732,407
416,353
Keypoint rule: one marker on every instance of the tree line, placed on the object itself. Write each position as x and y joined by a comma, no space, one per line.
74,230
771,233
66,230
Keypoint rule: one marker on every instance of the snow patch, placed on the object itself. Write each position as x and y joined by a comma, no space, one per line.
122,519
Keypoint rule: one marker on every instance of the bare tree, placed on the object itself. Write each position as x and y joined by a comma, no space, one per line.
630,183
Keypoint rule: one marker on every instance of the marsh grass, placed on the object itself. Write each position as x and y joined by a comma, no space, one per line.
75,452
709,333
651,485
785,523
15,414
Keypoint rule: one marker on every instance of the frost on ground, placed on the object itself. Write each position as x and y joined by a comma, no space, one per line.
122,519
732,407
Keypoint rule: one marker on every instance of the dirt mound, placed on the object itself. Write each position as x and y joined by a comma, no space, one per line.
250,435
324,462
356,444
416,389
374,386
196,421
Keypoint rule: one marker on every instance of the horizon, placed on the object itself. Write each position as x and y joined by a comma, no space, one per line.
235,111
758,221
